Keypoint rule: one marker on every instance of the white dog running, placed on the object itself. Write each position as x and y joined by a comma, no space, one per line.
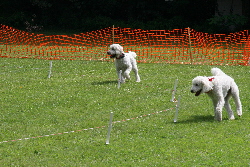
219,87
124,61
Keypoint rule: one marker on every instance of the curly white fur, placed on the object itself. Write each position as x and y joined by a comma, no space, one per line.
219,87
124,61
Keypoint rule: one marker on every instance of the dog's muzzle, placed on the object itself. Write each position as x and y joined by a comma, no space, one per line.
111,56
196,93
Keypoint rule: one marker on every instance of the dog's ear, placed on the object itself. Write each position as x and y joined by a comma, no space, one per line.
207,85
120,48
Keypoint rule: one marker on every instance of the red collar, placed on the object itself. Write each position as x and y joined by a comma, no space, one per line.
210,79
121,56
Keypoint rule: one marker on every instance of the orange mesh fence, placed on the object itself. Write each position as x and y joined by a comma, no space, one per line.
184,46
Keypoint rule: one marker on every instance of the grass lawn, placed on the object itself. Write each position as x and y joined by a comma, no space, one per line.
80,96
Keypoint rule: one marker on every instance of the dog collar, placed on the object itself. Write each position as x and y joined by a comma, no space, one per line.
121,56
210,79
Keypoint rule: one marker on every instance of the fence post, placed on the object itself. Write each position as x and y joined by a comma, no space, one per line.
113,34
190,46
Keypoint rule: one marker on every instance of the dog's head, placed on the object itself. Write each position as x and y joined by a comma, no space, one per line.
115,51
201,85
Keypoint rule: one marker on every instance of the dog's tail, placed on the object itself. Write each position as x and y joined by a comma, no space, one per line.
132,53
217,72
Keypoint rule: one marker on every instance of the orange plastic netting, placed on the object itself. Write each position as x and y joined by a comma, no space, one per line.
184,46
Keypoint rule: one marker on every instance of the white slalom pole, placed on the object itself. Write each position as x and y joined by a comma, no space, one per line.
119,79
173,92
177,108
109,128
50,69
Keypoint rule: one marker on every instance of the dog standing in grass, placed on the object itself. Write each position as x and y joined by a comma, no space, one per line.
124,61
219,87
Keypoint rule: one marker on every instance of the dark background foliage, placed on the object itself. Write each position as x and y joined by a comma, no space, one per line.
87,15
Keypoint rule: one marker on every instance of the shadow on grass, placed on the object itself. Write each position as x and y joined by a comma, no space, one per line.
198,118
104,82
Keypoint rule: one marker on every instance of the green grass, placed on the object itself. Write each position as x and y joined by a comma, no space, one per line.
81,94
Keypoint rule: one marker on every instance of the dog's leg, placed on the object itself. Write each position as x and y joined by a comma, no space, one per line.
219,106
126,73
236,97
136,74
122,78
214,103
217,112
228,107
135,69
238,106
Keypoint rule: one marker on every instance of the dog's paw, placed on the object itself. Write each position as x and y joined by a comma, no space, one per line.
122,81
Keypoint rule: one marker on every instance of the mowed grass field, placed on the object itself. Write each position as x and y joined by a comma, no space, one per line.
39,115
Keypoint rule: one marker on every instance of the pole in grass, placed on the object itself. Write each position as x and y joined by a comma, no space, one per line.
50,69
173,92
110,127
113,34
177,108
119,78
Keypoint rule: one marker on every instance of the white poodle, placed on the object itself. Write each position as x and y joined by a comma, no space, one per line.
124,62
219,87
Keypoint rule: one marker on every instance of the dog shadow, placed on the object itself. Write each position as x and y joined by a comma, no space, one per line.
104,83
198,118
